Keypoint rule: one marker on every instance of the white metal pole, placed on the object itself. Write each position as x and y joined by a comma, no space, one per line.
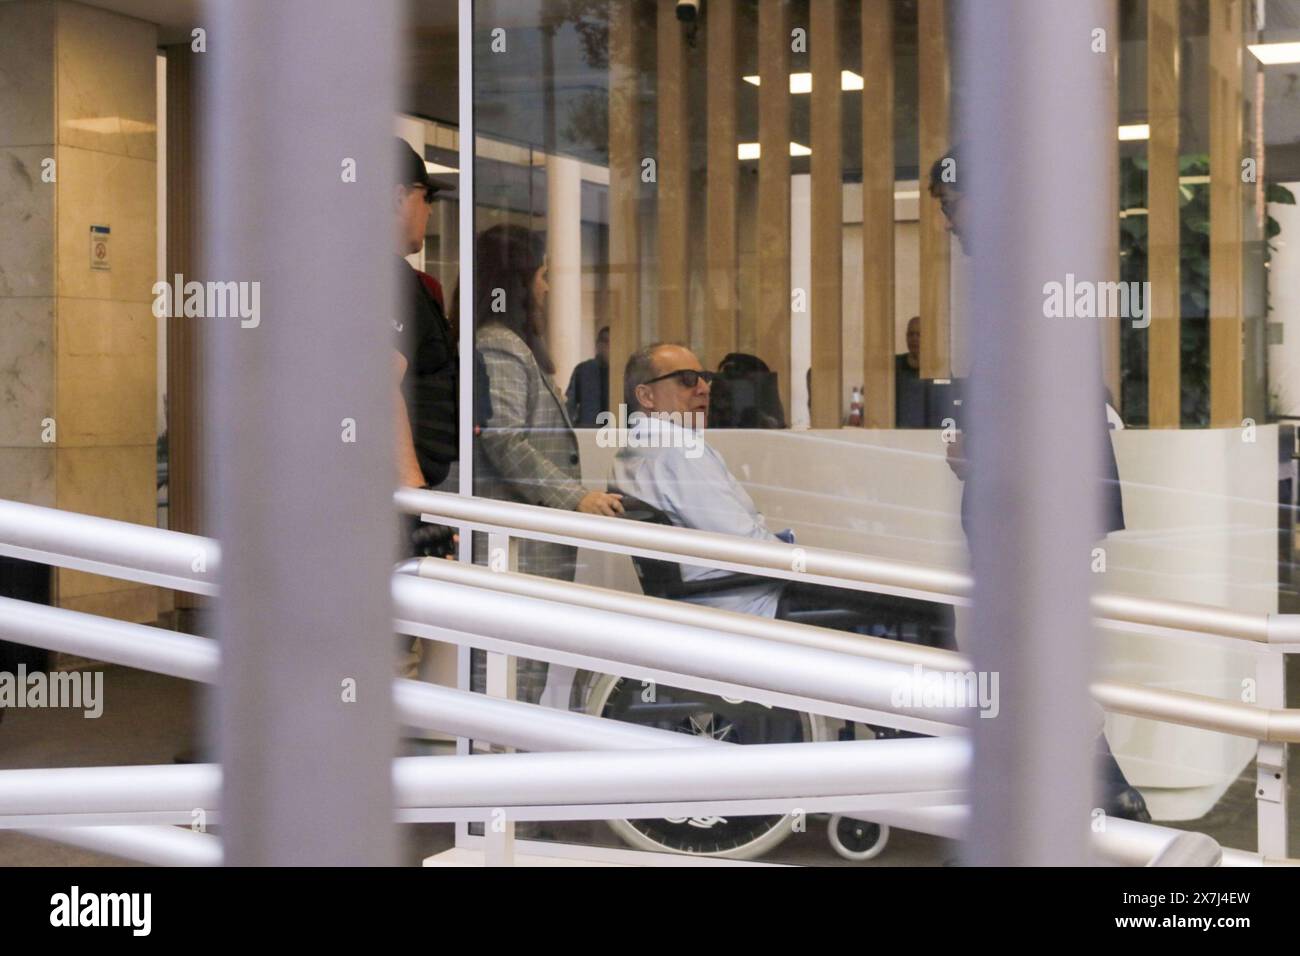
1271,779
756,772
549,631
155,845
1039,128
465,285
302,203
500,672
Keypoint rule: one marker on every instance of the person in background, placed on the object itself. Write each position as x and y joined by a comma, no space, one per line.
425,363
1122,799
910,390
527,451
588,393
683,477
425,371
746,394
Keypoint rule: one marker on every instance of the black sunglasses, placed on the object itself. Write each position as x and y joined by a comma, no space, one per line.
687,376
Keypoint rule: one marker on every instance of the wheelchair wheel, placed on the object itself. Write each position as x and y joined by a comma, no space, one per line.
692,712
856,840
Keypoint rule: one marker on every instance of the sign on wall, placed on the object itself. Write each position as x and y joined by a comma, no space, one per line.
99,247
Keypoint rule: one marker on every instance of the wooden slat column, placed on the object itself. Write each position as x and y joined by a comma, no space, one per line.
185,377
826,299
673,186
1110,330
1225,214
624,191
1163,367
720,225
878,212
774,191
933,136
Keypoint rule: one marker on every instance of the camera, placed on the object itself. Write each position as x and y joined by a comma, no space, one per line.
688,11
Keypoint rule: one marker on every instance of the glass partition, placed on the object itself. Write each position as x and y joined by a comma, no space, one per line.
717,286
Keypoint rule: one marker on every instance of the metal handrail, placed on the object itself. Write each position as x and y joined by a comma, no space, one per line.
852,687
155,845
1190,849
838,568
500,721
671,543
120,549
1279,725
192,563
608,777
196,658
418,704
1267,724
684,612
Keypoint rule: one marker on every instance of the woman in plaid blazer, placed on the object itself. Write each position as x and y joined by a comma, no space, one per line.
526,451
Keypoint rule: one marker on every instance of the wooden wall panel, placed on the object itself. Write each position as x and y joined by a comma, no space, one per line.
673,186
624,192
722,306
826,298
1163,335
1226,276
185,388
933,135
773,333
878,212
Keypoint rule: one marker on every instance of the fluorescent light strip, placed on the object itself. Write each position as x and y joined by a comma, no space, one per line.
802,82
1272,54
752,151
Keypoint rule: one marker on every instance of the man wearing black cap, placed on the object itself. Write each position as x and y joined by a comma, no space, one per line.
425,367
424,359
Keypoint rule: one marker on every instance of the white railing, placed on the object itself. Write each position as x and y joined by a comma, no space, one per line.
1267,720
424,604
795,562
642,771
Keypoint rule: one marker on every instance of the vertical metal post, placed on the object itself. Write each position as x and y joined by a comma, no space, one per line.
465,136
303,92
499,835
1034,173
465,285
1271,761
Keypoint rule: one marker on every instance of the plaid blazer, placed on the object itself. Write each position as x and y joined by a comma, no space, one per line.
527,450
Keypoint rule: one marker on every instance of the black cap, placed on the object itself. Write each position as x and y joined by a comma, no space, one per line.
410,167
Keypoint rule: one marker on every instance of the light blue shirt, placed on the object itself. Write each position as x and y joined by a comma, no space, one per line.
675,470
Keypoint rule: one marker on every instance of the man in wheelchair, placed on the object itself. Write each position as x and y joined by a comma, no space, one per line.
669,474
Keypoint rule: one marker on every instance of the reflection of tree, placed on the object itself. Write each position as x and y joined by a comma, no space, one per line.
1194,284
587,120
590,19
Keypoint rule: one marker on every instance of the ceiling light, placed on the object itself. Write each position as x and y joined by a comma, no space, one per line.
752,151
802,82
1271,54
110,125
1134,131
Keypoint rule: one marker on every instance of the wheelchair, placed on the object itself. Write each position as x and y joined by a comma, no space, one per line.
739,722
736,721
